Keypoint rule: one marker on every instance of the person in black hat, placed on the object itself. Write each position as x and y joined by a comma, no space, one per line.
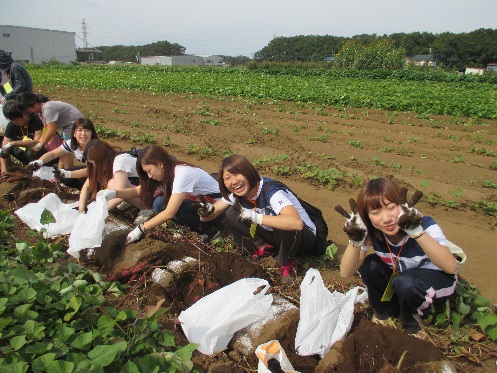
17,76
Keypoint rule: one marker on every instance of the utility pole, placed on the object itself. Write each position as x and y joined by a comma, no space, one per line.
85,35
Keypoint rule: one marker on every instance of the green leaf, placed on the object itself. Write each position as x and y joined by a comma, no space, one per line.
463,308
47,217
104,355
485,320
41,363
166,339
185,353
20,367
130,367
331,250
492,332
34,330
64,332
480,302
456,320
59,366
18,342
27,295
3,304
105,325
82,340
21,310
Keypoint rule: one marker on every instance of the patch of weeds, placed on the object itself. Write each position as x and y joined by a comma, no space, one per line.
425,183
434,198
483,151
458,158
210,122
386,149
329,177
413,139
493,166
268,131
144,138
458,192
377,161
356,144
395,165
489,184
322,138
120,111
403,151
387,139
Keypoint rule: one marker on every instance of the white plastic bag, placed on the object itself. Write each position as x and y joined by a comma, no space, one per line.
325,317
64,214
44,173
88,230
272,350
212,321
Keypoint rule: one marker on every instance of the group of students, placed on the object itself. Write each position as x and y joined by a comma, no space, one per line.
411,267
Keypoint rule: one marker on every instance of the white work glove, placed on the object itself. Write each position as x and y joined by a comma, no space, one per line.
354,227
409,218
36,148
61,174
134,235
108,194
35,165
6,150
250,216
204,208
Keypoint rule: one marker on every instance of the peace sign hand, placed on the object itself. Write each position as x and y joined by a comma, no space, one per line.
409,217
354,226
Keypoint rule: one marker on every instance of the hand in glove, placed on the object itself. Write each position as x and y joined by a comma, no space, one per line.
410,218
354,226
6,150
35,148
108,194
247,216
134,235
35,165
204,208
61,174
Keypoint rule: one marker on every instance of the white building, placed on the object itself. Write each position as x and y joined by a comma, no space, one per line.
185,60
34,45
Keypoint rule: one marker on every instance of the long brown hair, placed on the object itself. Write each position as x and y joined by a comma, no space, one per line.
156,155
371,197
99,156
237,165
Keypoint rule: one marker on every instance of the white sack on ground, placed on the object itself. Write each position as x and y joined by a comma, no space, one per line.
44,173
88,230
64,214
214,319
325,317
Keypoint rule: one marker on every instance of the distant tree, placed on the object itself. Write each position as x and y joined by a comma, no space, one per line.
379,54
131,53
300,48
236,61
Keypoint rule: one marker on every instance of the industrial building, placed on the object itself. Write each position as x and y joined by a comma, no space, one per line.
184,60
37,46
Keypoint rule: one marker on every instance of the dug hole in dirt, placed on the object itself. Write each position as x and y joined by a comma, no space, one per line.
197,270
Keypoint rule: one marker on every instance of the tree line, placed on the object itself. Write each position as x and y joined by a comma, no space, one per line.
452,51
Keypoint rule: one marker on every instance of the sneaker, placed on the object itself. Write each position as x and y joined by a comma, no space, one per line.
383,322
143,216
289,271
262,252
211,234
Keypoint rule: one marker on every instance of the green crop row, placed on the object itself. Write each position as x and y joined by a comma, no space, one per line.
457,98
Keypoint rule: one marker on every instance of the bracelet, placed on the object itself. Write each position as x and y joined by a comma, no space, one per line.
418,235
141,227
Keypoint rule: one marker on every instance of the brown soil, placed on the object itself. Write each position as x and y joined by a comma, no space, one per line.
435,155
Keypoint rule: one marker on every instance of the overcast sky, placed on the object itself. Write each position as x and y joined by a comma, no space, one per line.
243,27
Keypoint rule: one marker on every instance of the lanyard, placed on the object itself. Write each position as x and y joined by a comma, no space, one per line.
252,202
394,262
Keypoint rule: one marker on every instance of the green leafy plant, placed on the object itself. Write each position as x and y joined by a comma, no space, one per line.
53,318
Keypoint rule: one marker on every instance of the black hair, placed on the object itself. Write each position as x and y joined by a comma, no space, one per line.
26,100
11,111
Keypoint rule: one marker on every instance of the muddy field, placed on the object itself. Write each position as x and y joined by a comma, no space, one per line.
452,160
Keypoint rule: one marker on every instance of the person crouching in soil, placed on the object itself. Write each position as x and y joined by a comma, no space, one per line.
83,131
270,223
109,168
412,266
22,132
170,185
58,118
